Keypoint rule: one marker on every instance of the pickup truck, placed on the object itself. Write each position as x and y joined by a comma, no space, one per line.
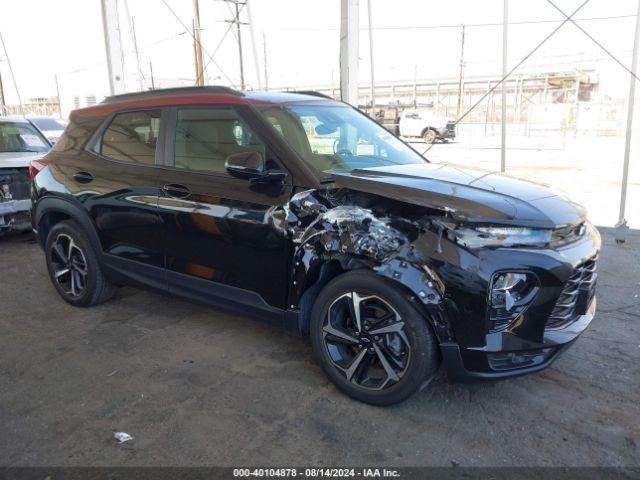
423,123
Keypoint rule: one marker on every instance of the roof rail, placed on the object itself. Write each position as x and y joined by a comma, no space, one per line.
313,93
171,91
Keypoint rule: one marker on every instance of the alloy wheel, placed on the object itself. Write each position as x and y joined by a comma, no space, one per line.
366,341
69,265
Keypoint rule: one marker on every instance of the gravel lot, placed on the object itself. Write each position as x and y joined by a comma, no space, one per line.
195,386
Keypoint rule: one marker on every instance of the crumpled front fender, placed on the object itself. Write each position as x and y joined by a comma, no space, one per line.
325,230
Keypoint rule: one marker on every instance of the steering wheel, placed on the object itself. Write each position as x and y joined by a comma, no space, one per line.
344,151
340,151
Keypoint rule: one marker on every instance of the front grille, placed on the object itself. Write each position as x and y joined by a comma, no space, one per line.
451,127
576,295
14,184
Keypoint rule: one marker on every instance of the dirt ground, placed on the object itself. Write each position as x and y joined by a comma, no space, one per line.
194,386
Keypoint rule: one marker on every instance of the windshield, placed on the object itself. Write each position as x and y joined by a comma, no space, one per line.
21,137
48,124
337,138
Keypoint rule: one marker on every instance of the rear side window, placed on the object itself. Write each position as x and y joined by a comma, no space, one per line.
132,137
205,137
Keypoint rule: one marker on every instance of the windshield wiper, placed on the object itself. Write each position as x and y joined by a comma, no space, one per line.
326,180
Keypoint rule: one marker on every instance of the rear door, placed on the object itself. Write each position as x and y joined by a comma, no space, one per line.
223,240
119,188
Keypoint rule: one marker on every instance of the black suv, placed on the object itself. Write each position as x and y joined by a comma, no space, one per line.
302,211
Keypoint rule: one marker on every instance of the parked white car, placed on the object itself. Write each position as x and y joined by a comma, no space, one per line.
20,144
50,126
423,123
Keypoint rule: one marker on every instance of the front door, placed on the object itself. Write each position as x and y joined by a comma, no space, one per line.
222,243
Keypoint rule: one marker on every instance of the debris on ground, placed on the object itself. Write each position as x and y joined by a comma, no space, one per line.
122,437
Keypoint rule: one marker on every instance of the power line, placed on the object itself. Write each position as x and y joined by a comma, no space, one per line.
615,59
535,49
479,25
522,22
131,52
501,81
194,39
215,50
13,77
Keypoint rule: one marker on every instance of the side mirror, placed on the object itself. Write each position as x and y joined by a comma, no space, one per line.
247,165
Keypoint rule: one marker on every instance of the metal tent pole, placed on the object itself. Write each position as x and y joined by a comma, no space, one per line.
373,82
349,51
503,145
113,46
256,63
621,226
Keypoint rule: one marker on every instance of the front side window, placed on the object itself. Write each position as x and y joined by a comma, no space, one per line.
205,137
21,137
132,137
337,138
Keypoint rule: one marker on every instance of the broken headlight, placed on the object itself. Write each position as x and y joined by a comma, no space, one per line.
477,237
510,294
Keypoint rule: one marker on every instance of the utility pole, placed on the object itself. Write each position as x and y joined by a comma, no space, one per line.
197,45
503,145
13,77
621,226
461,75
256,63
58,96
264,54
238,23
373,82
135,46
153,84
132,28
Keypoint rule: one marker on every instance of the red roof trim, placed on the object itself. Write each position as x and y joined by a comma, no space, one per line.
170,100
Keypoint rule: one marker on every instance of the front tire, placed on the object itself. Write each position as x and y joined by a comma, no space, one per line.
429,136
73,266
370,339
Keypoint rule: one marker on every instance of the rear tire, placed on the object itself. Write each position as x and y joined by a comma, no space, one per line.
371,340
73,266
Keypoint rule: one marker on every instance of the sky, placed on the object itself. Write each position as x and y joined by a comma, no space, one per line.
412,39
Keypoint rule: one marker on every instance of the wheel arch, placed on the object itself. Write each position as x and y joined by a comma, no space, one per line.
428,127
421,291
52,210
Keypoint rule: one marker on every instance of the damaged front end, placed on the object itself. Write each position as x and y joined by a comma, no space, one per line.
487,291
340,230
15,202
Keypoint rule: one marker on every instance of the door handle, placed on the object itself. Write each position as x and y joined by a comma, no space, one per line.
176,190
83,177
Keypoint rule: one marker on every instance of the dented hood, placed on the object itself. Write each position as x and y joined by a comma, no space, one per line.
470,195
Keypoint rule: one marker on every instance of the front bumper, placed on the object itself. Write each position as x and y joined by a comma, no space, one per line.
448,132
14,214
475,349
538,356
